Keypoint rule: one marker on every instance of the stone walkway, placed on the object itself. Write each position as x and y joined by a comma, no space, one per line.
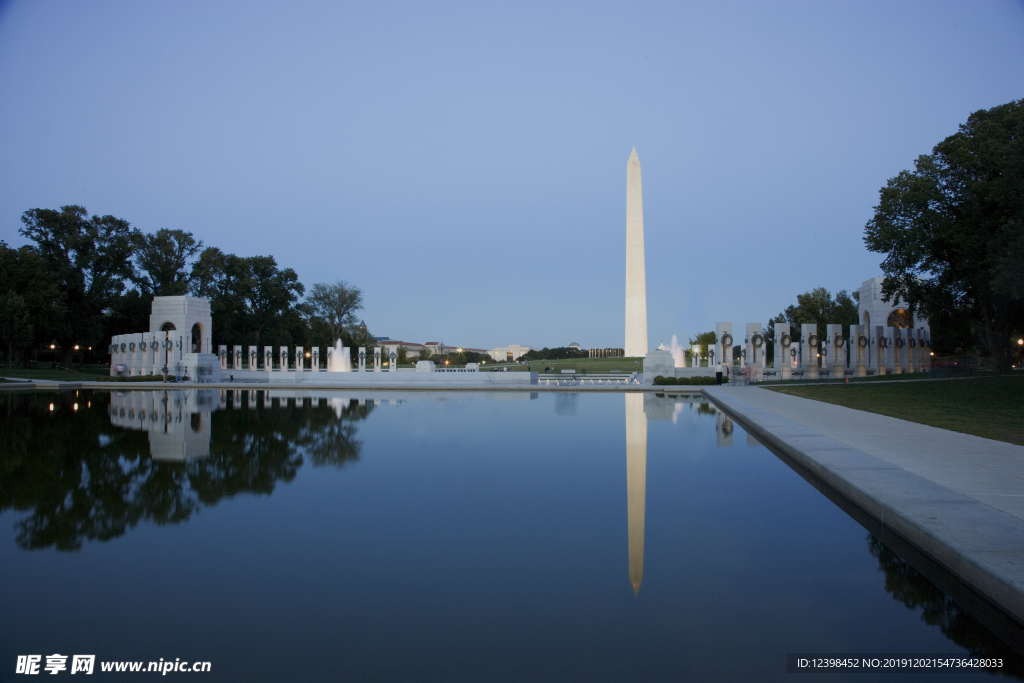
958,497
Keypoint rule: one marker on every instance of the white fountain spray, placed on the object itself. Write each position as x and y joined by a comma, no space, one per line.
678,355
341,360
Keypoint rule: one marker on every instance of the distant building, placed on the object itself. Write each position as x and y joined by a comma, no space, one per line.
605,353
575,345
412,349
508,353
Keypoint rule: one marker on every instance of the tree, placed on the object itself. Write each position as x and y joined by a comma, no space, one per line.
30,303
336,304
162,260
88,259
819,307
251,298
952,230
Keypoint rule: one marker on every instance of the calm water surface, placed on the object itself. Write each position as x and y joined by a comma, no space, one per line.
438,537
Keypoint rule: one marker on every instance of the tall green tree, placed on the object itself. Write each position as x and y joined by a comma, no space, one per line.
89,259
952,229
336,304
30,302
252,300
162,260
819,307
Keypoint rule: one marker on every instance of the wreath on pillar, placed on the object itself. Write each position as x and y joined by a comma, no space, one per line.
839,341
862,341
883,342
792,353
168,344
913,342
757,341
899,342
813,341
142,346
124,347
786,341
726,339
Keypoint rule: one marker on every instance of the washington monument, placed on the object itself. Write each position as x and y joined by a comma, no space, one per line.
636,276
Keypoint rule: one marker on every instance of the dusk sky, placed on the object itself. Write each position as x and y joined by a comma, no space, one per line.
464,164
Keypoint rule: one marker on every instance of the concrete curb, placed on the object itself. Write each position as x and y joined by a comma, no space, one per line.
981,545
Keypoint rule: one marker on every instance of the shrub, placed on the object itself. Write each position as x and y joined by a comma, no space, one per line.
693,381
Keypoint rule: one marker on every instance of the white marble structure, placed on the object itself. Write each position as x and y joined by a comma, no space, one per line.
253,357
362,359
283,356
859,344
785,351
222,354
636,277
268,358
755,346
299,359
809,349
178,342
836,355
503,354
316,359
724,344
376,359
237,365
393,360
658,362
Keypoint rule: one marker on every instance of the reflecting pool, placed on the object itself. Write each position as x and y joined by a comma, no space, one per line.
463,536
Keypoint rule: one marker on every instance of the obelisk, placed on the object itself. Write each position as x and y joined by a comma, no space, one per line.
636,275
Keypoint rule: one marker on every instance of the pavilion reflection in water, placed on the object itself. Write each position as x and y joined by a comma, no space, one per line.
178,421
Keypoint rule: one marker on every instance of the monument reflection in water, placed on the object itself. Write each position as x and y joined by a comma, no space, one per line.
480,537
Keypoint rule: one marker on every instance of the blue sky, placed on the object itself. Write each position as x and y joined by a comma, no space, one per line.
464,163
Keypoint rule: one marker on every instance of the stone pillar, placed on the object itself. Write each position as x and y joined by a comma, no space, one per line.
282,358
393,359
376,359
755,342
316,359
926,351
695,356
881,350
362,359
911,350
253,358
894,357
330,357
785,351
858,350
268,358
836,350
237,365
299,359
222,354
724,344
809,346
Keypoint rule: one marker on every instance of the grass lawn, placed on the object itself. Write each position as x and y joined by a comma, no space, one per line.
581,365
992,407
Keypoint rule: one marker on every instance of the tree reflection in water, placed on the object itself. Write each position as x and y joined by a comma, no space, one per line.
81,478
913,589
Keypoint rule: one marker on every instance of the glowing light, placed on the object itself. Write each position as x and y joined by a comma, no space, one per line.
76,347
1020,342
52,407
74,406
308,354
53,346
932,353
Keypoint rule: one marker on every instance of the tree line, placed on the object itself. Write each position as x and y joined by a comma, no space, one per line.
84,279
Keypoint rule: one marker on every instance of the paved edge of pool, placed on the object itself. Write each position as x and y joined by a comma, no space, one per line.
941,522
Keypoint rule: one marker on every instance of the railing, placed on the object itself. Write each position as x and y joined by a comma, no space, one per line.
591,379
